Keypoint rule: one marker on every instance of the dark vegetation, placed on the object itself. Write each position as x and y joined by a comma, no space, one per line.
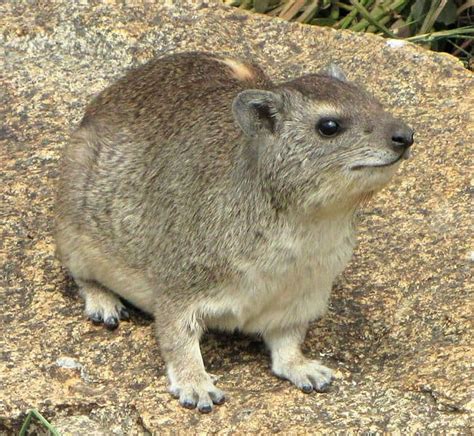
441,25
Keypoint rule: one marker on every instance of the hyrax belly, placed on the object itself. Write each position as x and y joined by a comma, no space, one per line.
294,291
262,301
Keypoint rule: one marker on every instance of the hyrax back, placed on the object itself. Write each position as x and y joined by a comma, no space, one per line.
153,154
207,195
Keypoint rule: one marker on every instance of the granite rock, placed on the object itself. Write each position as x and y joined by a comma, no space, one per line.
399,329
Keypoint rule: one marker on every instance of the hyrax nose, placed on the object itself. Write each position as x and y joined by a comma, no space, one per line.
402,137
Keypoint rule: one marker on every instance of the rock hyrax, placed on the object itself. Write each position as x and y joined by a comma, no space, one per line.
209,196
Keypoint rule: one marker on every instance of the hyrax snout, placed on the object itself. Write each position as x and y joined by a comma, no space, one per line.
202,192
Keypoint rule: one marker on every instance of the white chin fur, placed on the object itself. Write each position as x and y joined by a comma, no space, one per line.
373,178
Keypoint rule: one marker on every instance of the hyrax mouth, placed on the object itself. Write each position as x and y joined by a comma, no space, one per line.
405,155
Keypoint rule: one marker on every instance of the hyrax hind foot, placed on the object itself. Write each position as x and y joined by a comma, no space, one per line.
102,305
308,375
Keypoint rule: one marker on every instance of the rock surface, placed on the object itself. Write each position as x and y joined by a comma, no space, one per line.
399,329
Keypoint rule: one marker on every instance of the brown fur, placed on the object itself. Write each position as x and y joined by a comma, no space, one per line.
202,192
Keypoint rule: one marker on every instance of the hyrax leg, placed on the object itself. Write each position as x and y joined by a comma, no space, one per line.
178,335
102,305
288,361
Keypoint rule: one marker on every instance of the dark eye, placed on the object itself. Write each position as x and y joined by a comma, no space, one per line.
328,127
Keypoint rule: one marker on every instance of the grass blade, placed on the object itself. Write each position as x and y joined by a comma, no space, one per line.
365,13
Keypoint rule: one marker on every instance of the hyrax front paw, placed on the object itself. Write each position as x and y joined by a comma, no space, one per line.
200,392
308,375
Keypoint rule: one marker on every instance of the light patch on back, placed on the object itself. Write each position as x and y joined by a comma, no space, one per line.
240,71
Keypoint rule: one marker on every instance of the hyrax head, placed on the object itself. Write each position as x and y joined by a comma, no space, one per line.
321,141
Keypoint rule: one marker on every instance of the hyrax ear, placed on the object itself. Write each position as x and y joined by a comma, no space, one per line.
334,71
256,110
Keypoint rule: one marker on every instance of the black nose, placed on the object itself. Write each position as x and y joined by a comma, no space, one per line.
402,138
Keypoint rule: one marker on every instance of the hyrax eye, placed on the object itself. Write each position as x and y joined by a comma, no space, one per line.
328,127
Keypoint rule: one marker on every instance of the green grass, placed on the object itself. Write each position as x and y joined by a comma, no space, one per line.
442,25
44,423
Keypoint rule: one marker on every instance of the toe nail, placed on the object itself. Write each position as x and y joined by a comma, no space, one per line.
322,387
96,318
205,408
124,314
219,400
188,404
307,389
111,323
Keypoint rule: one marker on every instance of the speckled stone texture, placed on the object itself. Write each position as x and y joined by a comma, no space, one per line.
399,329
